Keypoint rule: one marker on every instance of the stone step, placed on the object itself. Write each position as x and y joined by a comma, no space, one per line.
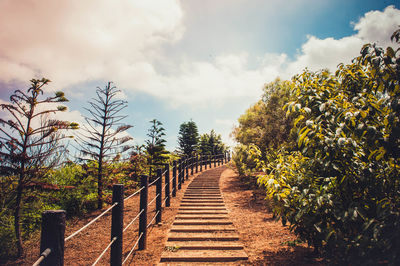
198,204
216,187
210,194
203,236
202,212
202,201
202,222
203,197
203,208
204,245
203,256
201,217
206,227
214,229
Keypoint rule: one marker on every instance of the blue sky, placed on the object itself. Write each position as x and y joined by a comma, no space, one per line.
180,60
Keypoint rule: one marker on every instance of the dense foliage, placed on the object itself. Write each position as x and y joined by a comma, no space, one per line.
188,138
263,128
265,123
155,146
338,186
211,143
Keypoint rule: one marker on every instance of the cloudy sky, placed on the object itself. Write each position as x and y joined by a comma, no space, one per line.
180,60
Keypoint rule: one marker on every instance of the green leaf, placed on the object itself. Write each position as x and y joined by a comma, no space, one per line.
302,136
390,52
61,108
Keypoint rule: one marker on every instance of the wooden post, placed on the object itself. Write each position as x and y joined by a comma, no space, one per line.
144,182
191,165
52,237
197,163
183,171
117,224
159,196
167,187
179,173
174,179
187,167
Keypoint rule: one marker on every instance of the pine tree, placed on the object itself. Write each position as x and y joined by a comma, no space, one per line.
188,138
155,146
30,141
102,138
211,143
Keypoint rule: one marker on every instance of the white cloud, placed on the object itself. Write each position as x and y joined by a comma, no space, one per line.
327,53
74,41
229,77
374,26
378,26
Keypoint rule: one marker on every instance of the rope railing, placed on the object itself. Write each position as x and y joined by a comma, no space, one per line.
92,221
165,171
43,255
133,248
151,202
134,219
165,200
152,183
135,193
104,251
152,220
53,227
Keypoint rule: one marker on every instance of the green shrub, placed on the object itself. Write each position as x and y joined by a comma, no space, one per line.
340,192
339,188
7,237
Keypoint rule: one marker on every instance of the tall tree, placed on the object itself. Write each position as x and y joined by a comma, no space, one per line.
155,145
188,138
265,123
211,143
29,139
102,138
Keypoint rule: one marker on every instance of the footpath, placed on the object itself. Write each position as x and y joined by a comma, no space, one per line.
202,230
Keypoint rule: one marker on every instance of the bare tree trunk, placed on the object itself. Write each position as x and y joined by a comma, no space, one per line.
17,214
100,185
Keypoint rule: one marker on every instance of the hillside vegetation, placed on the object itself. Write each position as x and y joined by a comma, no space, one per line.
325,146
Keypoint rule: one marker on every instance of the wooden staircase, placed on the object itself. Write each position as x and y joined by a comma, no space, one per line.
202,231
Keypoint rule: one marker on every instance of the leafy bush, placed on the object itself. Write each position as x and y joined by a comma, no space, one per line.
7,236
340,191
246,162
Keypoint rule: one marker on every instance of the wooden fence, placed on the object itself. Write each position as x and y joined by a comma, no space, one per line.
53,221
